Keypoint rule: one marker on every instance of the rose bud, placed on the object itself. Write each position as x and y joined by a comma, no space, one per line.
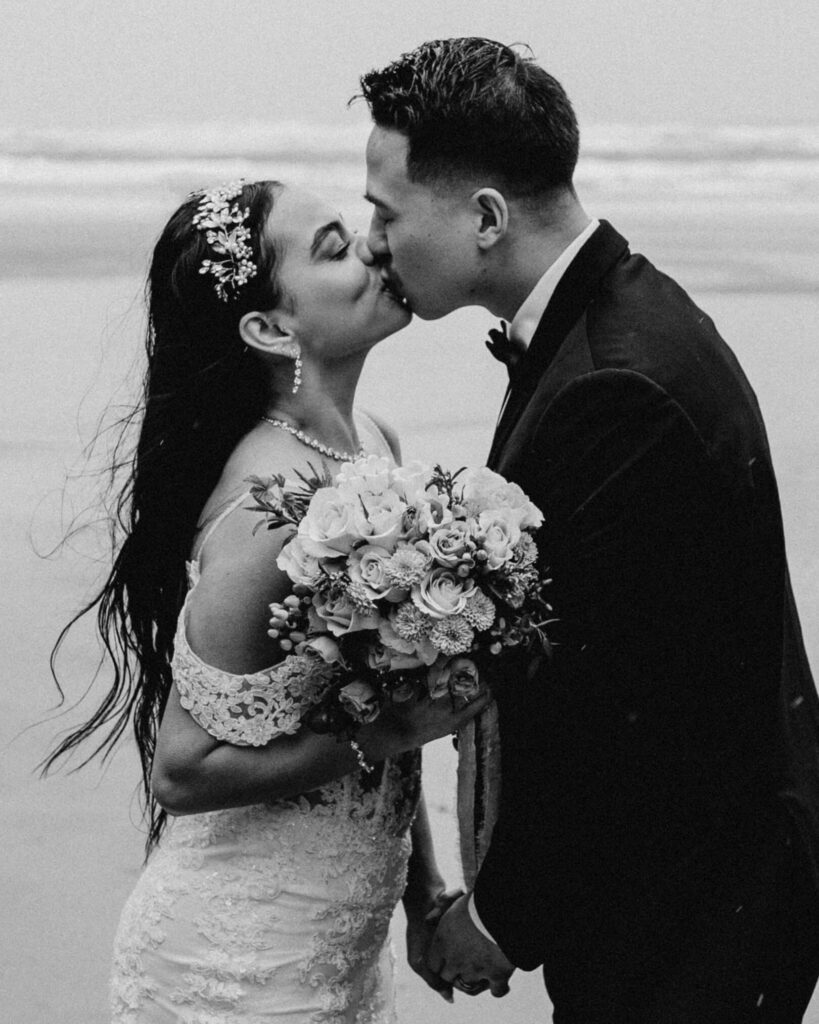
464,680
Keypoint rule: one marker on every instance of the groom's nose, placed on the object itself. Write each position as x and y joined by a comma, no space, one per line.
363,251
377,240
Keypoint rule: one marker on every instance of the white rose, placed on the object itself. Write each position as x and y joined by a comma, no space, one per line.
367,565
370,474
410,481
513,498
329,527
299,566
379,518
484,490
442,593
449,544
431,511
325,647
340,615
499,533
479,488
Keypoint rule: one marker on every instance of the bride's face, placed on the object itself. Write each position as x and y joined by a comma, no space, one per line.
336,301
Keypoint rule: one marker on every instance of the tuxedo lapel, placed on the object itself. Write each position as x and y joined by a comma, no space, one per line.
572,295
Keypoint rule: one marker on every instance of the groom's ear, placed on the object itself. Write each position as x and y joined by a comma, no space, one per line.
492,213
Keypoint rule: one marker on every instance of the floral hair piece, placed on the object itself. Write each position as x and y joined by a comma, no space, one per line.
224,225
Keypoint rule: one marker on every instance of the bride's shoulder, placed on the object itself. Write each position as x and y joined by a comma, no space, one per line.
224,523
377,436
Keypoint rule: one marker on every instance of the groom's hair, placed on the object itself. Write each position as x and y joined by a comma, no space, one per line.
475,108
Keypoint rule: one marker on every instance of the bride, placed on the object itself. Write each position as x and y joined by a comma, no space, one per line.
276,856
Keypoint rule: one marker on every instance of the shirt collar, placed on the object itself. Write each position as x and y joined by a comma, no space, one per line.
529,315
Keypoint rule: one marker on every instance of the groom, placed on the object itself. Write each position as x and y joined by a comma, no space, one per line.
658,839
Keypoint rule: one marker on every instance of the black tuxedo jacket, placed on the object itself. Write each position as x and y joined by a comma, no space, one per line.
661,770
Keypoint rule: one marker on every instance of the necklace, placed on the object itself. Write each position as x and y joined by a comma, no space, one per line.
311,442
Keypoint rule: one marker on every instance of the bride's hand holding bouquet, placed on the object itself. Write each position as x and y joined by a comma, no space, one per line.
405,580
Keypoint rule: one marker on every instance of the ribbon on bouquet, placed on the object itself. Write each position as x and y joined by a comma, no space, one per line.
478,786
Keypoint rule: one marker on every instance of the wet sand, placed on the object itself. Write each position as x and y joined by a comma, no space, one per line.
72,845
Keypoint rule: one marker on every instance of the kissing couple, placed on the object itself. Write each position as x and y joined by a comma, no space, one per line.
657,837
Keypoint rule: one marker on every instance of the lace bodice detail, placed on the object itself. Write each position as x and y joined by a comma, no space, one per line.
253,708
275,912
249,709
271,913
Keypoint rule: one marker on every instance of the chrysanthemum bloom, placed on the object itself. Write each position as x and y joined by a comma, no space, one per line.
479,611
360,597
407,566
452,635
410,623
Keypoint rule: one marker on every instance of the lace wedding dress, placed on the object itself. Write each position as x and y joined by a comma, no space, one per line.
276,912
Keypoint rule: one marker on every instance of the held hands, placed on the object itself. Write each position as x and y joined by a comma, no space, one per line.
422,919
463,957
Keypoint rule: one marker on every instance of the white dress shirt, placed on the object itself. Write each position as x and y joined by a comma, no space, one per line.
523,328
534,305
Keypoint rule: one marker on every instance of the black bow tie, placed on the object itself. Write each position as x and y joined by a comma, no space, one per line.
508,350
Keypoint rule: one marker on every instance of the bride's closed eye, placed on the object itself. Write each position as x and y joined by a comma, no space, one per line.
337,243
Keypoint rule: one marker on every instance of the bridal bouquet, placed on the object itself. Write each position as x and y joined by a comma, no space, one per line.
401,577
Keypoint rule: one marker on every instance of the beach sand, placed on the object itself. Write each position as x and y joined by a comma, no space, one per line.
72,845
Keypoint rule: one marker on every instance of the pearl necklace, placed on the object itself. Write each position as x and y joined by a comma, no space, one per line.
311,442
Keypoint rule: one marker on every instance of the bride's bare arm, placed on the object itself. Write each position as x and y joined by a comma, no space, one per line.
226,626
193,772
424,881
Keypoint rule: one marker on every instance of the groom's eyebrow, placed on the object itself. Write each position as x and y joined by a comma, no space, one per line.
336,226
374,200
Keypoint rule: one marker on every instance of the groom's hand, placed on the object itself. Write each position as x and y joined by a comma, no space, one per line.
422,920
465,958
409,725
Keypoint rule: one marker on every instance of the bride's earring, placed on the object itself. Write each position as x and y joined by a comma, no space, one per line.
297,373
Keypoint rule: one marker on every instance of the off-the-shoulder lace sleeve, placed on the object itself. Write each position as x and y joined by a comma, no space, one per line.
248,710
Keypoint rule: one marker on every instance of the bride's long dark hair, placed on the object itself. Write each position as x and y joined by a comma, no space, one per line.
203,390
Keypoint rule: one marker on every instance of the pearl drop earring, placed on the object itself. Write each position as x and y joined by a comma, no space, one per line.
297,373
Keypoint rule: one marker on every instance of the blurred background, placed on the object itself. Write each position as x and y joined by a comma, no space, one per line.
700,142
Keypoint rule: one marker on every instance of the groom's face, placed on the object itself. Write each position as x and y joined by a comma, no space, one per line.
422,235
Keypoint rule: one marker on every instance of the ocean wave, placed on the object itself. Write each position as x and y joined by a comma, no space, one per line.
683,143
294,141
69,173
209,140
31,182
709,202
